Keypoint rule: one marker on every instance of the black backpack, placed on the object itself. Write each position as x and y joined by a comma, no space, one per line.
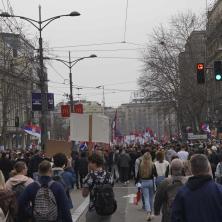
18,189
104,198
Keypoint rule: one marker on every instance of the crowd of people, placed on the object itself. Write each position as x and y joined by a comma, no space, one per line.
179,181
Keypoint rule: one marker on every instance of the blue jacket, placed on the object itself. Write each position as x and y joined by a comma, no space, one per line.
30,192
200,200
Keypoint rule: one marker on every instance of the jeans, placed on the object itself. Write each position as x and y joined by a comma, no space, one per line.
159,180
148,191
115,171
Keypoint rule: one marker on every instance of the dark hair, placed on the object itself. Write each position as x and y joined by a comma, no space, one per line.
160,156
199,164
44,167
96,159
60,160
20,166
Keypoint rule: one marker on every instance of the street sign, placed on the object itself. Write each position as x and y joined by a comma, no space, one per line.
37,101
78,108
191,136
65,110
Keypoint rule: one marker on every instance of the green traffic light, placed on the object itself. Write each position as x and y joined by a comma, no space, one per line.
218,77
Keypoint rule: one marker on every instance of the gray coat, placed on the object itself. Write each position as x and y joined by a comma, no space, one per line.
166,192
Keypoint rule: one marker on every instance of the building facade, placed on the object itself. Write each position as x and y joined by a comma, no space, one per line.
193,96
19,77
141,114
214,53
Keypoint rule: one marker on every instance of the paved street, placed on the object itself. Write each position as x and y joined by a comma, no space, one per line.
126,211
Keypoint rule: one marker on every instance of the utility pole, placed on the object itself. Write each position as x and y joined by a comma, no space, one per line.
43,88
71,83
40,26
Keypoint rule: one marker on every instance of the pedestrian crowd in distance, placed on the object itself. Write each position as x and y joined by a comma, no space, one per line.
181,182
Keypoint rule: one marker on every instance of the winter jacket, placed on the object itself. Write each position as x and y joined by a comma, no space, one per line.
17,179
83,166
68,180
6,167
8,203
199,200
165,194
124,160
34,164
29,195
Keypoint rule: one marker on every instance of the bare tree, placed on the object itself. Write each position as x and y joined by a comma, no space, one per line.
161,71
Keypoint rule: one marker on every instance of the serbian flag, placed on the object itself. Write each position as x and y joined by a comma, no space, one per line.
205,127
33,130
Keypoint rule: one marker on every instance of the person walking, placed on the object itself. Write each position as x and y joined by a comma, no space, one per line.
34,164
162,167
6,165
65,178
218,173
19,181
201,198
100,209
124,165
183,154
47,197
83,167
147,172
167,190
8,204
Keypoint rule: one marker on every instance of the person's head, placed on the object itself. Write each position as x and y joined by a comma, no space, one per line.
45,168
2,180
20,168
200,165
160,156
95,161
177,167
60,160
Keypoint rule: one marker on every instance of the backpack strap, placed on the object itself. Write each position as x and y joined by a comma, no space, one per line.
51,183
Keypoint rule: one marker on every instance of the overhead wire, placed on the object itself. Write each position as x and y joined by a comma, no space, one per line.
126,18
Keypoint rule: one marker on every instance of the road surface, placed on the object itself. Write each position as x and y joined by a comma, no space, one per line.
125,212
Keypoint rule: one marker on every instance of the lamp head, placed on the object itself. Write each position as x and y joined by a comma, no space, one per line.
5,14
74,13
93,56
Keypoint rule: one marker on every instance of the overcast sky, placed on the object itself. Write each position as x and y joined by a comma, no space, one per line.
101,21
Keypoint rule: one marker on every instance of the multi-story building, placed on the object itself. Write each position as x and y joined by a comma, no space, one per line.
141,114
193,99
19,77
214,53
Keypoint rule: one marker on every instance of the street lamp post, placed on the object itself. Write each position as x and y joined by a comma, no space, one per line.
40,26
69,63
104,103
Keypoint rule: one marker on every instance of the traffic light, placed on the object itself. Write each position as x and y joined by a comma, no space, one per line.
16,121
200,73
218,70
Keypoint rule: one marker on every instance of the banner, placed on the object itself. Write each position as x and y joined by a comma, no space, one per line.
90,128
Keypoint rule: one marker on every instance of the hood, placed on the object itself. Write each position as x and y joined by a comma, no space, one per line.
18,179
197,182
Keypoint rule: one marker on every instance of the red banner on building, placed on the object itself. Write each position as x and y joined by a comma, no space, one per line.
78,108
65,110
